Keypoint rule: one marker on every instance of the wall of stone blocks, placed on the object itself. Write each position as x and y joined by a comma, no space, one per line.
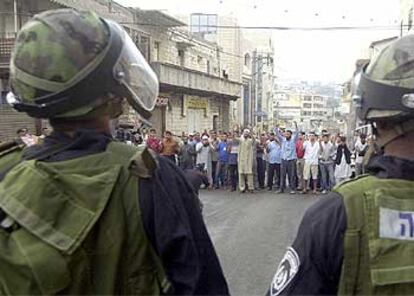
197,55
230,40
177,123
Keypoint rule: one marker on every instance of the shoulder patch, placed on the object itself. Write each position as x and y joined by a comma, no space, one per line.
143,164
288,268
395,224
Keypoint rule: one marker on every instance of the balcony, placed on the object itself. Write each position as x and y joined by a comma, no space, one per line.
6,47
176,78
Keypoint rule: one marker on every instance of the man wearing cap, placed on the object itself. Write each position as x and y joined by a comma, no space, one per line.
204,151
245,160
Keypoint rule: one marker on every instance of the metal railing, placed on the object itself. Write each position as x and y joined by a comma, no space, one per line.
7,40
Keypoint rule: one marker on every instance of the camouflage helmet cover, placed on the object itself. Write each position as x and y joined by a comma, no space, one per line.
54,51
387,85
68,63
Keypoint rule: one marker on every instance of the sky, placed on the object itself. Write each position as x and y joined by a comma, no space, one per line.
327,56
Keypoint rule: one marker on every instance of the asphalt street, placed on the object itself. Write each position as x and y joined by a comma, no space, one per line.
251,232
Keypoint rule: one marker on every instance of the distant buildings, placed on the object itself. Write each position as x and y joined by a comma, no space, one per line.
314,106
248,59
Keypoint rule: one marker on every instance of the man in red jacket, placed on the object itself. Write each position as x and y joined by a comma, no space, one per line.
301,161
153,142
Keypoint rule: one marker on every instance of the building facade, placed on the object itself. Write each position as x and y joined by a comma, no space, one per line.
195,87
14,14
286,108
247,58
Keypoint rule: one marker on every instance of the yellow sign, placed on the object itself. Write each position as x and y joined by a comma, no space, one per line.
197,104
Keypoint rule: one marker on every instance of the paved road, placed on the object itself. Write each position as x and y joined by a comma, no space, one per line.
251,233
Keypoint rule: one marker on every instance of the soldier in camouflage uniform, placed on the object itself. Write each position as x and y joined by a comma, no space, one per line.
81,213
360,239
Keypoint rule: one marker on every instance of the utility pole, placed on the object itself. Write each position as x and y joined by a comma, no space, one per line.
16,20
253,96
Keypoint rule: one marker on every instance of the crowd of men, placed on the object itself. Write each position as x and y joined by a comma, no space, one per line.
277,160
281,160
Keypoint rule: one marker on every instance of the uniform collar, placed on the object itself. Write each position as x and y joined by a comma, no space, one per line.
391,167
84,142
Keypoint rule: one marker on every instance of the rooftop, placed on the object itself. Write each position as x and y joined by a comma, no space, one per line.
156,17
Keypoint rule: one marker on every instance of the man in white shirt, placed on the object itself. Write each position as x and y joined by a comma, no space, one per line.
311,157
326,163
361,148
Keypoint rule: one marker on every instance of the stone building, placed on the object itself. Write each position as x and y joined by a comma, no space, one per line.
195,89
15,14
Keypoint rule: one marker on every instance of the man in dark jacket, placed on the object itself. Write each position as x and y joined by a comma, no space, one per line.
187,154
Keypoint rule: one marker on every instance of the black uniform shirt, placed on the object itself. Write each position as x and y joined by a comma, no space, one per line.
312,265
170,212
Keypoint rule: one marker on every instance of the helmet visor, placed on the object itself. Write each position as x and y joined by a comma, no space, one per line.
136,75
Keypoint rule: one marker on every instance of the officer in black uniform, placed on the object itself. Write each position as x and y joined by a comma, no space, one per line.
326,257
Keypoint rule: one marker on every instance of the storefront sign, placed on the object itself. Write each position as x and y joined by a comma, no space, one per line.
196,104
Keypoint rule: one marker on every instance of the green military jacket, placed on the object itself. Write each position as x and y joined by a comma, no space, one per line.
74,227
379,240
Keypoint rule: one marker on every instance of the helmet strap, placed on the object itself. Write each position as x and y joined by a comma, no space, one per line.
397,131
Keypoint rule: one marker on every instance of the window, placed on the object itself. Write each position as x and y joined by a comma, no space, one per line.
208,67
247,60
199,59
143,46
317,113
316,105
307,98
307,105
195,23
157,46
203,23
181,56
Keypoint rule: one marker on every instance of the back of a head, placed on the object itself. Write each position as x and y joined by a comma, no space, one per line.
385,94
69,65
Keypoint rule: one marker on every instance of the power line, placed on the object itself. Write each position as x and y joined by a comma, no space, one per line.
217,49
336,28
286,28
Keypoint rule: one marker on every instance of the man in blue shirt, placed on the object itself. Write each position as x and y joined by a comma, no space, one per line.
274,153
221,173
288,142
